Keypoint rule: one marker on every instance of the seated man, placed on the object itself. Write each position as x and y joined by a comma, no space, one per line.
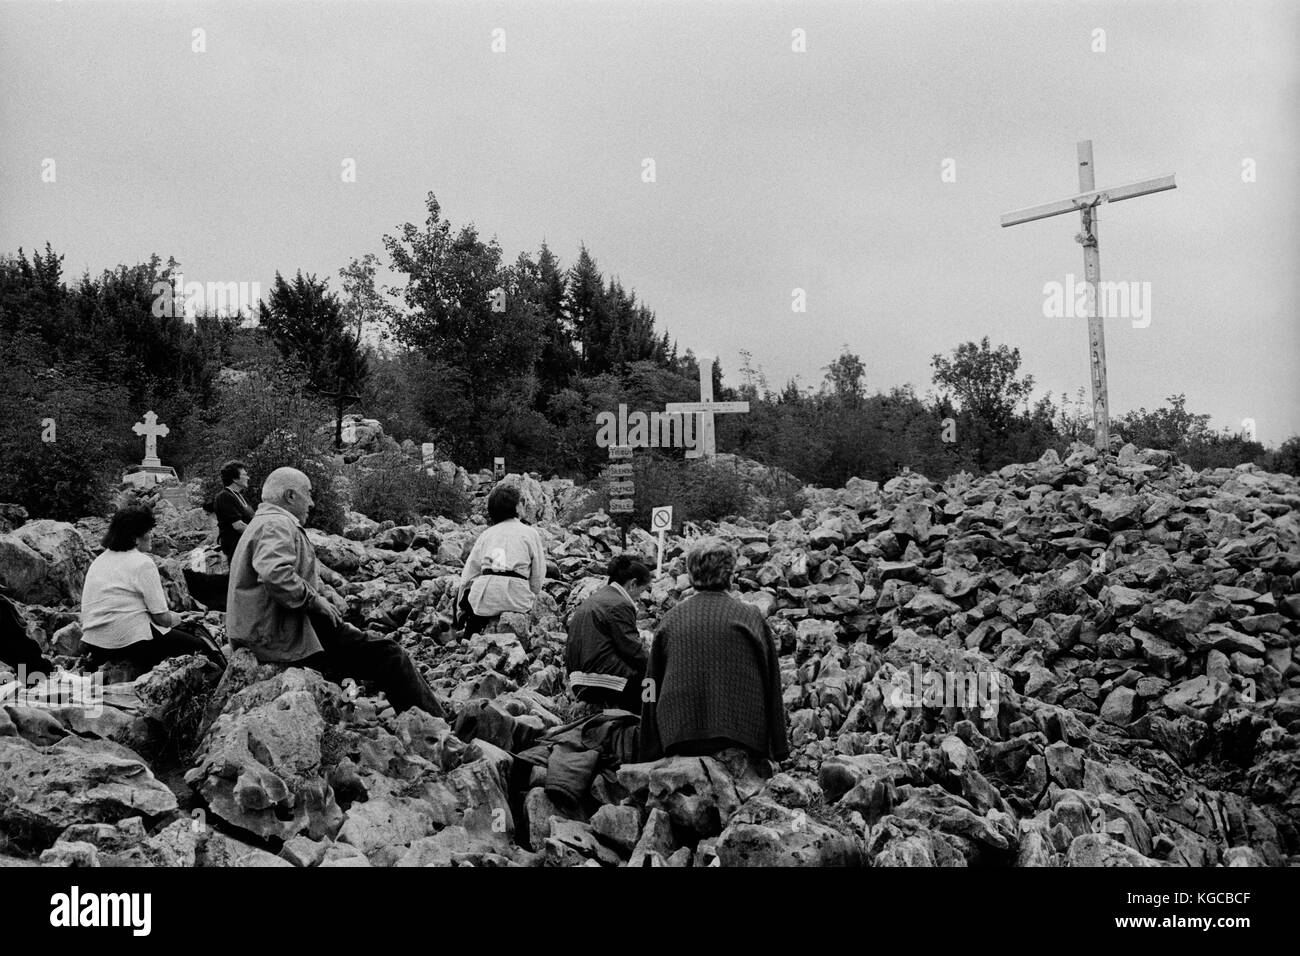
278,608
604,657
716,679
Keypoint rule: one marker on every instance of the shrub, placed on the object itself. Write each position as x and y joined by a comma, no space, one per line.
390,487
269,422
697,490
1285,458
74,474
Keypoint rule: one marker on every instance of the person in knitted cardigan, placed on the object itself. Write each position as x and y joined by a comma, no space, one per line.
713,672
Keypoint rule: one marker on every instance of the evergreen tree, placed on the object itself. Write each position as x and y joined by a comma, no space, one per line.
306,322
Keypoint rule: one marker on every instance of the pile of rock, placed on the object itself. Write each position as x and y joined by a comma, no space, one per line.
1068,662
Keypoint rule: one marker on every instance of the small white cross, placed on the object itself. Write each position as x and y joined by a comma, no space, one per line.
152,430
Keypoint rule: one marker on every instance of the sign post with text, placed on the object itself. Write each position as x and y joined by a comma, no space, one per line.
620,457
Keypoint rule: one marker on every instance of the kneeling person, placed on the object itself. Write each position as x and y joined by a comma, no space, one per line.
604,657
278,608
715,671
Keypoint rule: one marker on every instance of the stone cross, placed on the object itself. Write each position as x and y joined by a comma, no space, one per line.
152,430
706,408
1086,203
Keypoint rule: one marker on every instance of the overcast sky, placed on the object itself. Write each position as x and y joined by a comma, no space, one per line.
776,170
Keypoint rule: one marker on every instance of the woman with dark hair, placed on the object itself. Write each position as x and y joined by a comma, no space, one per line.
505,568
713,670
605,658
124,613
233,511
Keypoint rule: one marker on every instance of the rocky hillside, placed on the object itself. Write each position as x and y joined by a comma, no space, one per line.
1130,628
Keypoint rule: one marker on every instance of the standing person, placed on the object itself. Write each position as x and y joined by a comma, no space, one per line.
716,680
232,509
278,608
124,613
505,568
604,656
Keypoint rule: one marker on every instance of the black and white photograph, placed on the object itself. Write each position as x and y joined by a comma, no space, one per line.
662,434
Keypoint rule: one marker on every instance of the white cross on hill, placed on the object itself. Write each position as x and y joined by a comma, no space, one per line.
1086,203
706,408
152,430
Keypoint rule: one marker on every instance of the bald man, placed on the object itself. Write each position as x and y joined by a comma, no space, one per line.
277,607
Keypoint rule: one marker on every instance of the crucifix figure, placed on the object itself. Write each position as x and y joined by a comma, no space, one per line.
152,430
706,408
1086,203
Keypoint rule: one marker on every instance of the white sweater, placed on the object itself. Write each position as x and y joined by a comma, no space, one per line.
506,546
122,588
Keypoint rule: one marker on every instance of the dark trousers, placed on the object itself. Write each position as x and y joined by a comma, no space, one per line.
474,623
208,589
629,698
349,653
16,648
710,746
146,655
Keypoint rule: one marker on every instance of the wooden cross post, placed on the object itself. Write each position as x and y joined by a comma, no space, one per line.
706,408
342,400
1086,203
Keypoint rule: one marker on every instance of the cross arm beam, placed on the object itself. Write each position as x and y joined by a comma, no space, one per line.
696,408
1083,200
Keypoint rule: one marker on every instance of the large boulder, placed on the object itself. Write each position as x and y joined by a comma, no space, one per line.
382,828
66,557
764,833
75,780
336,552
697,793
128,843
24,573
262,768
1098,849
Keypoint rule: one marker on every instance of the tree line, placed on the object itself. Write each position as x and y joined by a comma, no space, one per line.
483,357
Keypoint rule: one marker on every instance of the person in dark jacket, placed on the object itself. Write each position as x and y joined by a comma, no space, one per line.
232,509
715,679
17,648
604,657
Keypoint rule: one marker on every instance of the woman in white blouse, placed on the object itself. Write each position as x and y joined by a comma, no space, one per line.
124,613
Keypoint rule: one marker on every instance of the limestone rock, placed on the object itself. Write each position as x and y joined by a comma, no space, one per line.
764,833
75,780
1096,849
261,767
